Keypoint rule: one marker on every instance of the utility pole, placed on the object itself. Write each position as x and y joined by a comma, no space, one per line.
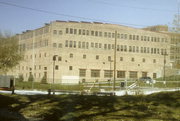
115,45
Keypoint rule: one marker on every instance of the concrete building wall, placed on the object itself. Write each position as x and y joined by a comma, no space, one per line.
90,46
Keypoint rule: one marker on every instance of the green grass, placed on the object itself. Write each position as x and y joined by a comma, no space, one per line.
163,106
39,86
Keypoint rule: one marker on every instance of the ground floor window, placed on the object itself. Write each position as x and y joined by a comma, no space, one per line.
133,74
144,74
82,72
154,75
121,74
108,73
95,73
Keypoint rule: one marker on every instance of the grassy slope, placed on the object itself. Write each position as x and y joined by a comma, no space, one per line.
160,106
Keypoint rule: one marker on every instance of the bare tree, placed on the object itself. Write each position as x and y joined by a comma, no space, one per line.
9,53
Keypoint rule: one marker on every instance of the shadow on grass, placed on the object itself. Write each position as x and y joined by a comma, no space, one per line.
160,106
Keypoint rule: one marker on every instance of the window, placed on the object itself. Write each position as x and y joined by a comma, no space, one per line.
154,75
83,45
105,34
84,56
133,74
109,58
82,72
70,68
97,57
75,31
87,45
59,58
121,74
55,32
100,34
56,67
71,31
79,44
96,45
70,43
60,45
132,59
79,31
144,74
67,30
92,44
92,33
96,33
74,44
143,60
154,60
54,45
84,32
121,58
66,45
130,37
71,55
108,73
95,73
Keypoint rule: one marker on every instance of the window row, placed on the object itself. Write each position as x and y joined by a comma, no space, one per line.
109,73
112,35
121,48
28,46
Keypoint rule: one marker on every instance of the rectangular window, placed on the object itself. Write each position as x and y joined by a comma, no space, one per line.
79,31
130,37
79,44
56,67
60,45
84,56
75,31
71,55
82,72
83,45
92,44
74,44
144,74
133,74
71,31
54,31
84,32
154,75
100,34
92,33
70,43
67,30
121,58
97,57
59,58
96,45
121,74
54,45
87,45
66,45
96,33
109,58
70,68
105,34
95,73
108,73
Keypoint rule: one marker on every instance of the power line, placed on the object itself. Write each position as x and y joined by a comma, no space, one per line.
60,14
133,7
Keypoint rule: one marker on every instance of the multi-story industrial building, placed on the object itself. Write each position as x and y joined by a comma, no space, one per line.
84,51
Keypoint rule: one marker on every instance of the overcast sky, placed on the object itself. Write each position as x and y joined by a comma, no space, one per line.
20,15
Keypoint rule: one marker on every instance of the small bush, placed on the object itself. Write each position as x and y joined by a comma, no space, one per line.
31,78
20,78
44,80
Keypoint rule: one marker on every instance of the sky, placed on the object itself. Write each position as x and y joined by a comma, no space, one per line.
17,16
